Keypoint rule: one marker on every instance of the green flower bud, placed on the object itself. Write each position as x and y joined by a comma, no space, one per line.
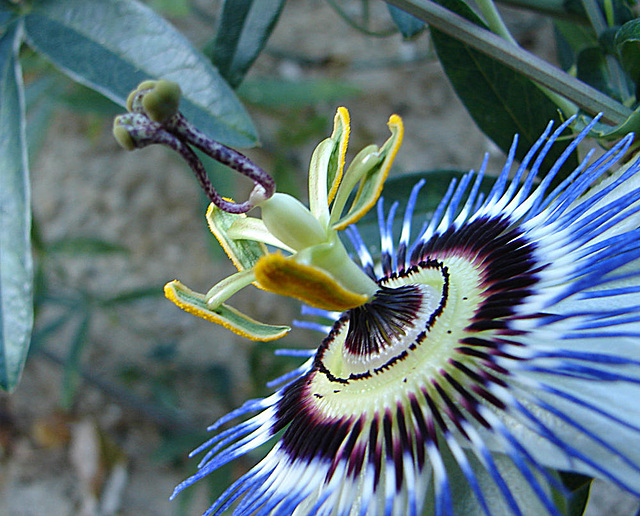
122,136
162,101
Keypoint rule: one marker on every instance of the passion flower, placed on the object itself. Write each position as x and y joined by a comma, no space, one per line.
462,366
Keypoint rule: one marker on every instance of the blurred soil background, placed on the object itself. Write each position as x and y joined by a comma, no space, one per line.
121,384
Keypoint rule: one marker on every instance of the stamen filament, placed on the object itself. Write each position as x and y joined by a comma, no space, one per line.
224,289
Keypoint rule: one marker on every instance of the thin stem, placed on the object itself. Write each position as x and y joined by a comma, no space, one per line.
494,20
599,24
586,97
360,28
237,161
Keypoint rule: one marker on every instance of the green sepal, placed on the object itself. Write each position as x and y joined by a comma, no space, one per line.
224,315
243,253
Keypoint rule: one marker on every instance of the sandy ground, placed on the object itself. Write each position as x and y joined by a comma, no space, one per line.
107,454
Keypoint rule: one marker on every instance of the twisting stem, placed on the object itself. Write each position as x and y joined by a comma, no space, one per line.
200,172
494,20
154,118
182,128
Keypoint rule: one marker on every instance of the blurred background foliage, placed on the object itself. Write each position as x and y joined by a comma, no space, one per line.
84,56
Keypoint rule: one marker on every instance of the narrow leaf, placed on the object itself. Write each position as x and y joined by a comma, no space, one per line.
627,43
16,268
245,27
571,39
113,45
276,93
6,14
41,103
408,24
71,376
85,245
593,70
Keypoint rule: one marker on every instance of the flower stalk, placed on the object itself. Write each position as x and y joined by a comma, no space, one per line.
154,118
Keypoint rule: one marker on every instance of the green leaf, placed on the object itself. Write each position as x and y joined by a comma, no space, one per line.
85,100
174,8
41,336
113,45
592,69
131,296
620,13
578,487
409,25
5,15
627,44
16,267
501,101
571,39
41,105
85,245
71,374
283,93
244,28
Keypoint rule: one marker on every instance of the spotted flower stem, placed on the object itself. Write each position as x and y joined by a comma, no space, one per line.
154,119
